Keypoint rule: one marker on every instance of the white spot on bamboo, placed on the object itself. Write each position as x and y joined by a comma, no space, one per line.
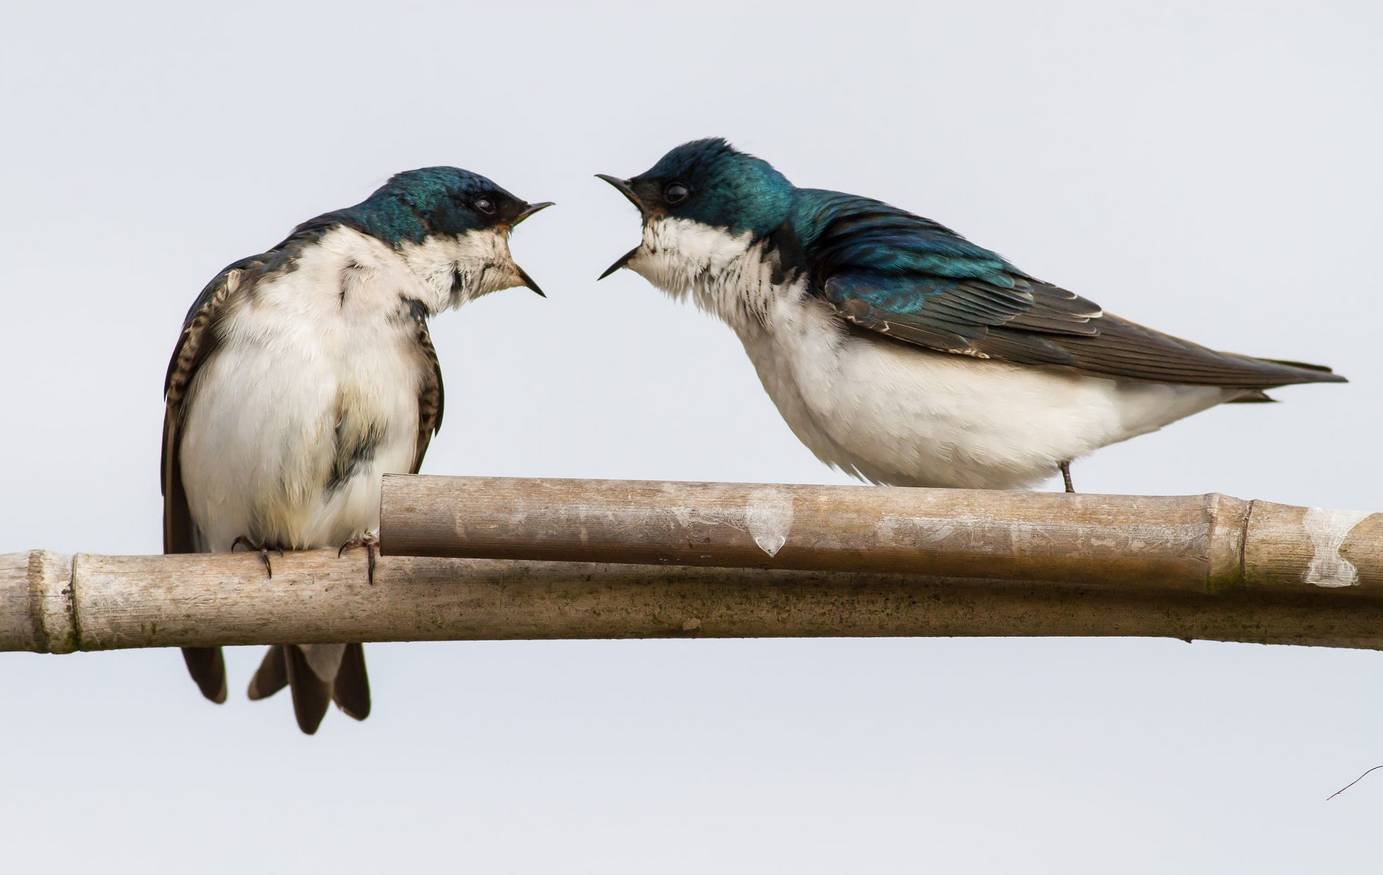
768,514
1328,530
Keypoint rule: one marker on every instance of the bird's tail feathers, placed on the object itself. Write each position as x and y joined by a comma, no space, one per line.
272,674
311,694
207,666
351,689
1253,396
318,674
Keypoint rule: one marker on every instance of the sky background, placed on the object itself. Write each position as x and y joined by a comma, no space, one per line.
1209,169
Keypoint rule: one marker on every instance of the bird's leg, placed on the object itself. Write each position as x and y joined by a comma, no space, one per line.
370,541
263,550
1066,475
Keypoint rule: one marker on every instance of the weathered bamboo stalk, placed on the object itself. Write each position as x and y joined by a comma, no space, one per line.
728,560
1203,543
50,603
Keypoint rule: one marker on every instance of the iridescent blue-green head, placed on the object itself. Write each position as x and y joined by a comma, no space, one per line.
448,201
444,220
706,184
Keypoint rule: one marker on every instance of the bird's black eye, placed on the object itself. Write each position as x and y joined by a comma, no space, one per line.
676,192
485,205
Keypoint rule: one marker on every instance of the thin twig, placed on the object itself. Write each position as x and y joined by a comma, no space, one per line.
1352,783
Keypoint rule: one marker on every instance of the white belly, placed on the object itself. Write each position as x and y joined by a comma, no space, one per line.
270,410
896,414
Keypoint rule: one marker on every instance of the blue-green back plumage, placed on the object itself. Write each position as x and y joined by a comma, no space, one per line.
872,234
915,280
887,270
882,265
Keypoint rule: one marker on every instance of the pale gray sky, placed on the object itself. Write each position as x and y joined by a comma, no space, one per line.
1209,169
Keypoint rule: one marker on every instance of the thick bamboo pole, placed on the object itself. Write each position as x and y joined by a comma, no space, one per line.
50,603
1203,543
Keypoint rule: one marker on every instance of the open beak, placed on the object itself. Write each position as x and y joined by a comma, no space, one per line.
524,214
623,188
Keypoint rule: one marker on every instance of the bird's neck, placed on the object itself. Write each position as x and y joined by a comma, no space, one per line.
731,276
345,270
454,269
364,274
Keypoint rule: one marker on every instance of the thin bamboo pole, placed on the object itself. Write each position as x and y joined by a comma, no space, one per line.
52,603
1201,543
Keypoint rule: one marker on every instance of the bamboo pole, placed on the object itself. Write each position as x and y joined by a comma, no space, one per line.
610,559
1203,543
53,603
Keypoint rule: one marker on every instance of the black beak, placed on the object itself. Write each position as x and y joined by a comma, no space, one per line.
623,188
528,281
623,260
528,211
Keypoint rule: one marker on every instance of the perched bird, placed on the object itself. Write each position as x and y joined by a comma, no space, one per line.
902,353
306,373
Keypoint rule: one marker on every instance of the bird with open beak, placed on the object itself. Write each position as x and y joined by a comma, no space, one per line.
306,373
902,353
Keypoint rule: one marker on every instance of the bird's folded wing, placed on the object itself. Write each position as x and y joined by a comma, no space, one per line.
888,271
197,342
431,397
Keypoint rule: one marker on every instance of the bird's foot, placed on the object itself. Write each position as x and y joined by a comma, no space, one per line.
370,542
1066,475
262,549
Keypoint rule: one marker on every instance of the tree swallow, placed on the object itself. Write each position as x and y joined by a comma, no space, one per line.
306,373
902,353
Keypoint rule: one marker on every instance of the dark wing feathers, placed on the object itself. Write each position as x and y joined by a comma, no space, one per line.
196,343
431,396
888,271
198,340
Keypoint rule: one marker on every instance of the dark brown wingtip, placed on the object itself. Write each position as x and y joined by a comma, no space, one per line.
1318,373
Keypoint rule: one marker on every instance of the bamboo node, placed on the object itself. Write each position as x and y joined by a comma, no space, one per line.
52,603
